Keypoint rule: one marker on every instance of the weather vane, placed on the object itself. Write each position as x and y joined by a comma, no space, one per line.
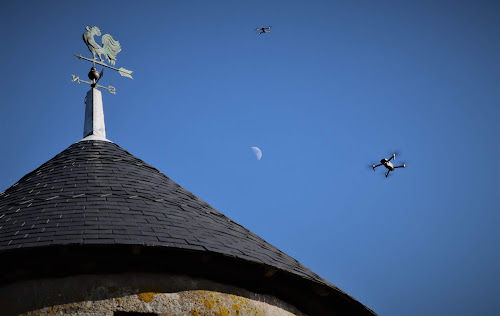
110,48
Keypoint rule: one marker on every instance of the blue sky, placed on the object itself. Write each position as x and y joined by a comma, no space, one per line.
335,87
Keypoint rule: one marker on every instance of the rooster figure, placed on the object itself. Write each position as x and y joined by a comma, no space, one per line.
110,48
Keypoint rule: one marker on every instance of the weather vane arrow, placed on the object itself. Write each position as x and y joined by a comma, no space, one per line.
122,71
109,49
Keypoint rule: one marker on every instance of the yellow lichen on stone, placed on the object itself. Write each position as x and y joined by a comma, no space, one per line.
209,303
235,299
237,309
243,301
194,312
223,311
256,312
201,291
146,296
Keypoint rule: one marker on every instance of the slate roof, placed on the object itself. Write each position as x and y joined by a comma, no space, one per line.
95,192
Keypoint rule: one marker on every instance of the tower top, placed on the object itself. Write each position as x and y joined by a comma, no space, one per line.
96,208
94,128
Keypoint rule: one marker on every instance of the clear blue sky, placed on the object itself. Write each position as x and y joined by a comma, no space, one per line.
336,86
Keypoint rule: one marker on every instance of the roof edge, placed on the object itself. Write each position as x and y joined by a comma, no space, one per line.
312,297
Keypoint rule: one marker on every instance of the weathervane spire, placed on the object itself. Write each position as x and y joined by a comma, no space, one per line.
94,114
94,126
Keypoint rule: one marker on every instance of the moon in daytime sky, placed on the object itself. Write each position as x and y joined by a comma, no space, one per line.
257,152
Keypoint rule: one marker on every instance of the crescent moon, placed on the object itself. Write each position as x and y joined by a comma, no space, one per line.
257,152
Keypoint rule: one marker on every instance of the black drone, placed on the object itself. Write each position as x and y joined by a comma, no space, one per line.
388,164
263,30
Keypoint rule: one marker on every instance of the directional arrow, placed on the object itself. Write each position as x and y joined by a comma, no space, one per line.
77,79
124,72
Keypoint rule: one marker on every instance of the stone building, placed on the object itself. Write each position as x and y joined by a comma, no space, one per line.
97,231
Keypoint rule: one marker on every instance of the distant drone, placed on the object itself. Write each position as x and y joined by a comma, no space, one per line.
387,163
263,30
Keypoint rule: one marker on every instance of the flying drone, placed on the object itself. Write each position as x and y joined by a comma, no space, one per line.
263,30
388,164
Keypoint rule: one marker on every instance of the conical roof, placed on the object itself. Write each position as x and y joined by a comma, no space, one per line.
96,193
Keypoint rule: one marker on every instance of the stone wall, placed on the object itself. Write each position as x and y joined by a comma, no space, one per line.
103,295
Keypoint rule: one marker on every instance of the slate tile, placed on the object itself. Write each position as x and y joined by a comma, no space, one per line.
71,241
98,241
36,244
172,240
69,232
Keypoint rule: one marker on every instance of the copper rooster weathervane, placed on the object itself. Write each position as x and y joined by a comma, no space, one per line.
109,49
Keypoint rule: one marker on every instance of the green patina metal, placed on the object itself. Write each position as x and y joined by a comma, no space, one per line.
109,49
